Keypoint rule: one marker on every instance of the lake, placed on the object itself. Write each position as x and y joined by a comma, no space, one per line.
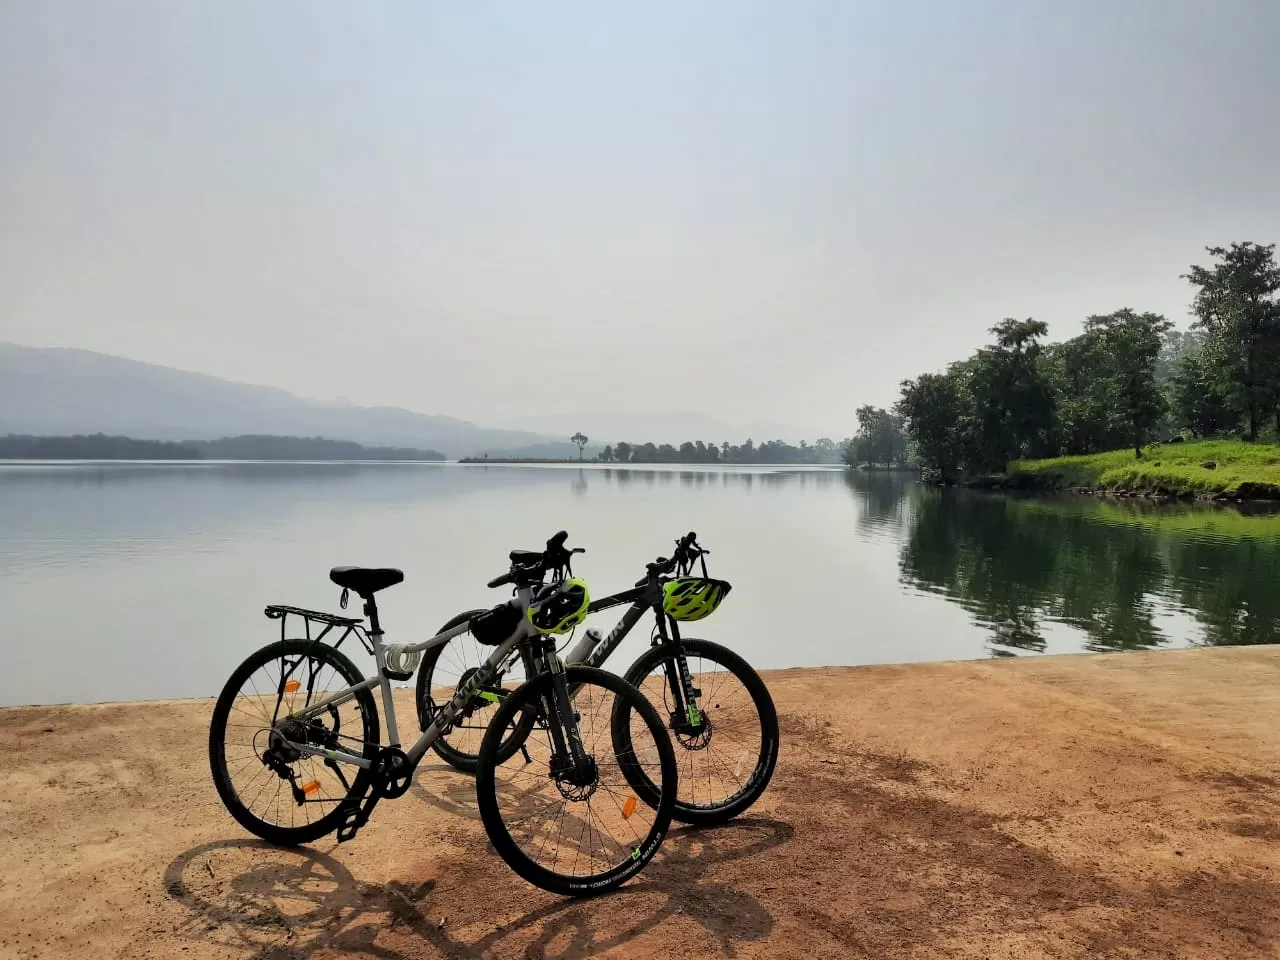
130,581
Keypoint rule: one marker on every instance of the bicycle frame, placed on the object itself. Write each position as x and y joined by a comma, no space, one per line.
592,653
447,714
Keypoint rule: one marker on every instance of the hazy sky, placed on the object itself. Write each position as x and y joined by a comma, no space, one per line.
756,210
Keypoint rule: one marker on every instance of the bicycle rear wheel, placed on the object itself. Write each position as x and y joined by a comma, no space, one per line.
280,796
578,831
727,757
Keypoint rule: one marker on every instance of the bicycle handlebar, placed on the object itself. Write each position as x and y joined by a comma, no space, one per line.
687,550
555,558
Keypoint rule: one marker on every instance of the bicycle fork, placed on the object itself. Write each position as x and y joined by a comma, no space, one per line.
685,715
571,765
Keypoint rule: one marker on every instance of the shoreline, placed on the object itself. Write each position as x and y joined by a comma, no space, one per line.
1031,484
774,672
1072,805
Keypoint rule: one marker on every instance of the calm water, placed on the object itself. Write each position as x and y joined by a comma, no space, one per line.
129,581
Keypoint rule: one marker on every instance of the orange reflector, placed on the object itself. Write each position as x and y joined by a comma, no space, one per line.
310,787
292,686
629,807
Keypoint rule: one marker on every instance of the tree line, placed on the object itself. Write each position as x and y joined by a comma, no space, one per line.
99,446
824,450
1128,379
880,441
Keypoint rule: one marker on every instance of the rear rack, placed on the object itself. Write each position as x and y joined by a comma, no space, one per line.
351,625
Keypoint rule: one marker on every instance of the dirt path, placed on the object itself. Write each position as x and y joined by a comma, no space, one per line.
1117,806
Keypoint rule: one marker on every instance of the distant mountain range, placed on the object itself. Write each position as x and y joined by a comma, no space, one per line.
56,391
101,447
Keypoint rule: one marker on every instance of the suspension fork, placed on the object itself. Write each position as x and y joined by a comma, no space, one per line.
562,719
676,667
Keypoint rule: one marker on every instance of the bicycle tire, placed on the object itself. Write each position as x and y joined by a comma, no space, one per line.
712,814
272,832
628,699
453,754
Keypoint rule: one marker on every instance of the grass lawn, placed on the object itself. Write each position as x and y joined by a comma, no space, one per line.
1244,470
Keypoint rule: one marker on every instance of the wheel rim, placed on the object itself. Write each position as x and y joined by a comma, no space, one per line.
719,756
274,784
581,828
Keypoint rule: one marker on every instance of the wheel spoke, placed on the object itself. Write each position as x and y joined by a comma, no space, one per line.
268,802
578,830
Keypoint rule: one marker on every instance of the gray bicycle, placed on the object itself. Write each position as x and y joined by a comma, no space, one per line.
296,752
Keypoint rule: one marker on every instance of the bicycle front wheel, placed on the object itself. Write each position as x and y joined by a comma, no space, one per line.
726,753
577,829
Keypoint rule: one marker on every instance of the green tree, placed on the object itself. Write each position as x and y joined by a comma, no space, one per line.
1083,411
580,439
606,455
932,407
1013,401
1129,348
879,439
1236,305
1199,400
622,452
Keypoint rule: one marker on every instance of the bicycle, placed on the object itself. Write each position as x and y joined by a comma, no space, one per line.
305,718
722,719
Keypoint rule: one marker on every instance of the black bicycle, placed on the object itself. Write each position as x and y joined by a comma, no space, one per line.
718,710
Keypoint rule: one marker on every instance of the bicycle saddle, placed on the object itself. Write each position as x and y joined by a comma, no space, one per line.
366,581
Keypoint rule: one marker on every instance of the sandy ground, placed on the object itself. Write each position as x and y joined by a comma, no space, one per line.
1116,806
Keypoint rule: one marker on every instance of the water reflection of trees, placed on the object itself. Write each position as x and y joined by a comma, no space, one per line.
744,479
1017,564
1233,586
881,496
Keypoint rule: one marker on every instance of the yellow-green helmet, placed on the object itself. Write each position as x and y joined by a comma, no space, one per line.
563,610
692,598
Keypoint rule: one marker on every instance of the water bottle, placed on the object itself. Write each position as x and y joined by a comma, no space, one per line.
582,649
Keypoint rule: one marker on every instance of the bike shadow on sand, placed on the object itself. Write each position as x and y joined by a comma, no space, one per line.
274,903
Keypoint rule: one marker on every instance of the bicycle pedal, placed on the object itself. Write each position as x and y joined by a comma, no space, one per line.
351,822
357,814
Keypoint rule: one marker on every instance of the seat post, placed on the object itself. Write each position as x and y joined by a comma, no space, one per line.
371,611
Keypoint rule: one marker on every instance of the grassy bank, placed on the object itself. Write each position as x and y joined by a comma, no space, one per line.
1225,469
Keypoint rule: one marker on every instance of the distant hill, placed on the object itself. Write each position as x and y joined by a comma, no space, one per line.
304,448
56,391
96,446
101,447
